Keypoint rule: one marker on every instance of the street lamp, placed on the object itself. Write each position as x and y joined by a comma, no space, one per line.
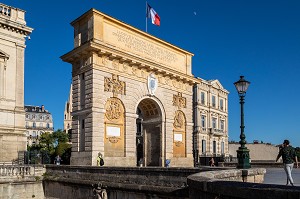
242,152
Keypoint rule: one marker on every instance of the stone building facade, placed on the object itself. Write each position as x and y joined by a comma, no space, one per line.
132,95
38,120
210,119
258,152
67,113
13,30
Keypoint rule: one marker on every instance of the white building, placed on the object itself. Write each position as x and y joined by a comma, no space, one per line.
210,119
38,121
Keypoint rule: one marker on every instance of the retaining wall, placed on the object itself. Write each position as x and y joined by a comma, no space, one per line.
237,184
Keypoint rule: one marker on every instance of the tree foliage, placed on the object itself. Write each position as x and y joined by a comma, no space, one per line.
55,143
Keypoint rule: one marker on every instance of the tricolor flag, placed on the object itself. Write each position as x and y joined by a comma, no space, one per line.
153,15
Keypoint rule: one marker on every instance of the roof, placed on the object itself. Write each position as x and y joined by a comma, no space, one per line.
36,109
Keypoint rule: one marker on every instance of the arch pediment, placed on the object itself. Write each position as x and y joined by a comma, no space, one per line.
216,84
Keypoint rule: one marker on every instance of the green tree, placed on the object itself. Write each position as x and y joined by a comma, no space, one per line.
54,144
63,147
47,143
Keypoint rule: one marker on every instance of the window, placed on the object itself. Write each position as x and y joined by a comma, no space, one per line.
34,133
27,116
48,125
222,147
214,123
27,124
82,136
213,99
202,98
203,118
222,104
222,124
41,117
82,91
214,147
203,146
33,124
82,124
65,116
33,116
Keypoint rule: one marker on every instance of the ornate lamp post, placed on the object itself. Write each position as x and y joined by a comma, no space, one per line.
242,152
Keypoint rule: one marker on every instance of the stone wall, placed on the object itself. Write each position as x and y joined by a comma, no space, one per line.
135,182
234,184
22,189
258,152
21,182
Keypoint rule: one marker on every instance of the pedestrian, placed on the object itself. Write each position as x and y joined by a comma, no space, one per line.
212,162
57,160
100,161
288,155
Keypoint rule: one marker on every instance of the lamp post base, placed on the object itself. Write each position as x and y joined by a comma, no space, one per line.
243,158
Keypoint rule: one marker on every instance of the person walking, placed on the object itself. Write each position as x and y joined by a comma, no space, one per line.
57,160
288,155
212,162
100,161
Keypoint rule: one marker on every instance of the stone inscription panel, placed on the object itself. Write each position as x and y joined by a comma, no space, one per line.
138,44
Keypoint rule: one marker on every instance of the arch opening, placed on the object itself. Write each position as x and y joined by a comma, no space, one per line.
149,133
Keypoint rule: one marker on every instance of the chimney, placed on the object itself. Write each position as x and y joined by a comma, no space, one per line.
43,108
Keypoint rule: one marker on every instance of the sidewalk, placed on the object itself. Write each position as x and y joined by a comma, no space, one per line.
278,176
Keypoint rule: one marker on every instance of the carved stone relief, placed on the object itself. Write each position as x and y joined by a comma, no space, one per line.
113,109
115,64
114,85
179,101
105,60
179,120
125,67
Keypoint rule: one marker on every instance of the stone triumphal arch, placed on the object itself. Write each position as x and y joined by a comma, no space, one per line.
132,95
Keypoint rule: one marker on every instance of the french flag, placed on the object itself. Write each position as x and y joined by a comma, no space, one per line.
153,15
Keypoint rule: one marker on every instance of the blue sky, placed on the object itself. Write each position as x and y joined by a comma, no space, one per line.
259,39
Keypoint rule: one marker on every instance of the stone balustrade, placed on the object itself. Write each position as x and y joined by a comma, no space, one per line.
16,170
5,10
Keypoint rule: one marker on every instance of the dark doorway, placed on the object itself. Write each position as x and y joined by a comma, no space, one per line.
148,134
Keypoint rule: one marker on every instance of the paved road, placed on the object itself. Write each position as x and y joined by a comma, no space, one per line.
278,176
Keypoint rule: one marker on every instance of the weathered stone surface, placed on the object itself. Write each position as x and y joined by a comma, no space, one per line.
13,30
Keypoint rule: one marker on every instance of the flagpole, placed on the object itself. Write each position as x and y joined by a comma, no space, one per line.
146,15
